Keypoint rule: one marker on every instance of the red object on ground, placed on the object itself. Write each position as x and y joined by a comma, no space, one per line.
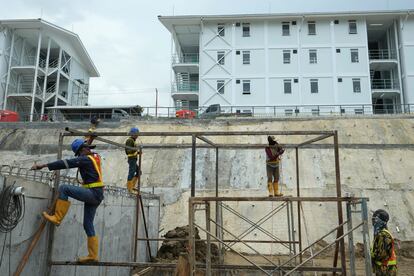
8,116
184,113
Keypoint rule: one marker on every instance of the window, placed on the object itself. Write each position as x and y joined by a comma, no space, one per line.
220,29
220,86
356,84
246,29
246,87
359,111
313,57
246,57
287,84
339,79
314,85
220,57
288,112
285,28
315,112
311,28
354,56
352,27
286,56
338,50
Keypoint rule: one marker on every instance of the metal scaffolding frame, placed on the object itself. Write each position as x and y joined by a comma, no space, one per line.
288,201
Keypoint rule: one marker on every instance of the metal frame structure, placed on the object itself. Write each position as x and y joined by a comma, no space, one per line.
205,136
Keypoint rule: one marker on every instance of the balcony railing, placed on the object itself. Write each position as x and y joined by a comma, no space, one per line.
382,54
192,58
384,84
191,86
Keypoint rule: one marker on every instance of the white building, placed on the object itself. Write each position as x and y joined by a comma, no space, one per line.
301,62
42,65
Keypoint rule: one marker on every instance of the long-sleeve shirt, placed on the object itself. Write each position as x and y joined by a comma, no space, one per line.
85,165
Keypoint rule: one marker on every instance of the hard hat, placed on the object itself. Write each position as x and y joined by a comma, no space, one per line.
382,214
134,130
77,144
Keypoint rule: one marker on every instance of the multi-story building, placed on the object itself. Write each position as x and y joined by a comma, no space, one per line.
42,65
309,60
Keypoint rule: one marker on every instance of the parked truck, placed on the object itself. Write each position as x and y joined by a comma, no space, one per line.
85,113
215,110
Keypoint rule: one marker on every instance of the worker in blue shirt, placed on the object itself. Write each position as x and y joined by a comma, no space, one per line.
91,192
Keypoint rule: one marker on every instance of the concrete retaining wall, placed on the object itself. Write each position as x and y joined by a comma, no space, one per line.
114,224
376,157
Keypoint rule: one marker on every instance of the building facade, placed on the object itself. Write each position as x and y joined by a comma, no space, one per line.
321,62
42,65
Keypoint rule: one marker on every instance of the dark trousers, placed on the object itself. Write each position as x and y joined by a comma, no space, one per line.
92,198
133,168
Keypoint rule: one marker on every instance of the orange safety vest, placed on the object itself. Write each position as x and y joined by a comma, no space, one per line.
96,161
392,260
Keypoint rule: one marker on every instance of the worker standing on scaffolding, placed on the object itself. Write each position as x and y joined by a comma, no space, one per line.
273,153
384,259
91,192
134,171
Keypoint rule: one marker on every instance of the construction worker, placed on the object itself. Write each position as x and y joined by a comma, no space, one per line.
91,192
94,124
134,170
273,154
384,259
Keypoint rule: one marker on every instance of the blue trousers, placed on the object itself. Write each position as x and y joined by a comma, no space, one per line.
133,169
91,197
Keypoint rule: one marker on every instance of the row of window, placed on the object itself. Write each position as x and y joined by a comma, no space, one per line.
221,28
287,85
313,56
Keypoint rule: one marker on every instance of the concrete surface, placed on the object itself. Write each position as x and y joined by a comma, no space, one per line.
114,224
376,159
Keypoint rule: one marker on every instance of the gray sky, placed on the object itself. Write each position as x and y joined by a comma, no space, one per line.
131,48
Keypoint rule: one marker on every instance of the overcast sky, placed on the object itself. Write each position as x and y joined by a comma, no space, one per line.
131,48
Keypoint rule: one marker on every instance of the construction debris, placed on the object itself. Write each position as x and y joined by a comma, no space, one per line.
171,249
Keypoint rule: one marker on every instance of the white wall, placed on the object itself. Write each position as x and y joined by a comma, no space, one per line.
407,54
267,71
5,40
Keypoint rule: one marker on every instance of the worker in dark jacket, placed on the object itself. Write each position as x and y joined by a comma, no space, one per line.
273,153
384,259
133,168
91,192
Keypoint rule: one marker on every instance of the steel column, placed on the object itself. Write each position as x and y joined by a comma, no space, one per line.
298,203
55,191
350,239
365,236
193,164
339,208
191,238
208,238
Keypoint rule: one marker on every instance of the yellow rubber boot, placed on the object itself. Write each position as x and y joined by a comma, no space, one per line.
135,183
270,188
62,207
93,248
130,185
276,189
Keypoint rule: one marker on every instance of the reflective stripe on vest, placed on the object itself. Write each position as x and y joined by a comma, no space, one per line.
96,161
132,154
393,258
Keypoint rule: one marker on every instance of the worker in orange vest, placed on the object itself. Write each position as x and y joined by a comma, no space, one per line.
384,259
91,192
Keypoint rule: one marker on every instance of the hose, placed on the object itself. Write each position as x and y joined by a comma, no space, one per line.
12,208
